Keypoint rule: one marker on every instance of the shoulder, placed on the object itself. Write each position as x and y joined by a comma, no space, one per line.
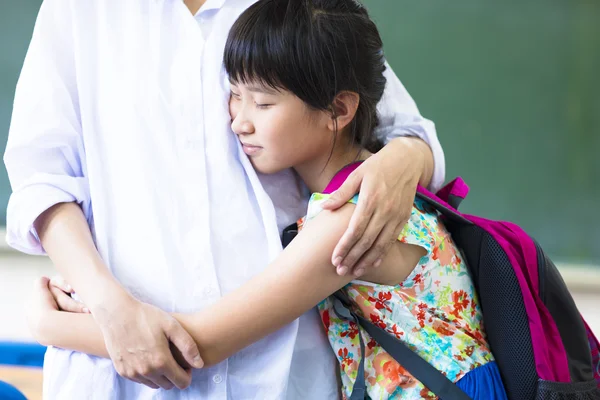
322,229
316,202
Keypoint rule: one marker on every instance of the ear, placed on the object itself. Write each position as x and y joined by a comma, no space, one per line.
343,110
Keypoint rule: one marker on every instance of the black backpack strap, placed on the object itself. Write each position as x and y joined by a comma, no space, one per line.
359,391
428,375
289,233
441,206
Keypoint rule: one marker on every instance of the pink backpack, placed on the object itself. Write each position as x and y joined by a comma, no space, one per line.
542,345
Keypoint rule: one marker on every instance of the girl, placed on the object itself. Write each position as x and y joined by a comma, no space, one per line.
306,76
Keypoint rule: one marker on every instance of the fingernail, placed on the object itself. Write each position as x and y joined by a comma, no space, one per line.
198,362
68,287
86,310
337,261
342,270
359,272
378,263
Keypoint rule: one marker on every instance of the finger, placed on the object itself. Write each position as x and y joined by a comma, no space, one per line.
179,357
179,377
345,192
364,243
136,377
42,290
345,253
66,302
374,256
59,282
162,381
370,258
184,342
144,381
41,283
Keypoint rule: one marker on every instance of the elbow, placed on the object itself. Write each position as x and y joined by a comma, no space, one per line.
37,330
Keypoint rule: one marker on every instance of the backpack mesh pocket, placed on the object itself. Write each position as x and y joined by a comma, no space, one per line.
567,391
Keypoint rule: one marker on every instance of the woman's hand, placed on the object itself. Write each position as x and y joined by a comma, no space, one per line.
138,338
388,183
146,344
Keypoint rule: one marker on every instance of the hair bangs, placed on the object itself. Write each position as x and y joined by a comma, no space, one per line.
258,55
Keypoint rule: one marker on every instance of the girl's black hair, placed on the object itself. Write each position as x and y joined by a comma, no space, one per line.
315,49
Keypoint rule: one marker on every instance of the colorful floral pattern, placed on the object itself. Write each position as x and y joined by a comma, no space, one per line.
435,311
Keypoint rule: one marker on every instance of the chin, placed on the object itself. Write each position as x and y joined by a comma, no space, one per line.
266,168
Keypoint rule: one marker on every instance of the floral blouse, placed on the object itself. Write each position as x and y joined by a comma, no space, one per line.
435,311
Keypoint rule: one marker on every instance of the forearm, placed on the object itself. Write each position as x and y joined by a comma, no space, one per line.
295,282
78,332
66,237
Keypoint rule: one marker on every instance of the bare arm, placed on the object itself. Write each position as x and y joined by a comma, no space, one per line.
296,281
66,237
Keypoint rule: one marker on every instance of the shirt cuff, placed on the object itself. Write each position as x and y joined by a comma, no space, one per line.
28,202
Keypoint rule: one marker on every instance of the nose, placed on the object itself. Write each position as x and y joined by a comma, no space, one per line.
240,123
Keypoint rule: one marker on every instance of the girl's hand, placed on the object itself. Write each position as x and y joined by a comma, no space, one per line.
41,304
61,292
388,183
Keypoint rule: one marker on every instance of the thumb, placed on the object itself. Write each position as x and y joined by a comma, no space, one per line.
41,283
184,342
42,288
345,192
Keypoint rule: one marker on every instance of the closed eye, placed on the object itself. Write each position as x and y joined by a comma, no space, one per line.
263,106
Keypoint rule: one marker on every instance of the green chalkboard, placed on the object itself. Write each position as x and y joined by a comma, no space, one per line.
514,89
16,25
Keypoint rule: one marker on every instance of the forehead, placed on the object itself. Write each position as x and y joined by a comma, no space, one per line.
256,86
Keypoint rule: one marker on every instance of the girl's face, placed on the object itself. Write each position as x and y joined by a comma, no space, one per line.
277,130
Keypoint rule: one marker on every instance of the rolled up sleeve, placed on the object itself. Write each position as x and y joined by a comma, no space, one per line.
399,116
45,157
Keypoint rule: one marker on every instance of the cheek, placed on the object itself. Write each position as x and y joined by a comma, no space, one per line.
290,138
233,108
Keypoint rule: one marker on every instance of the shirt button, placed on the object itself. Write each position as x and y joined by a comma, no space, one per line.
217,379
208,291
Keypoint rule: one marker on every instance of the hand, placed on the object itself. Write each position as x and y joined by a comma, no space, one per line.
138,338
388,183
41,304
61,292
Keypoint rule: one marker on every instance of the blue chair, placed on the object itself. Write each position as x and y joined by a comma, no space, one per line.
22,354
9,392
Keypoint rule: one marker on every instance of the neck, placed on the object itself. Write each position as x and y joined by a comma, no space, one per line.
317,173
194,5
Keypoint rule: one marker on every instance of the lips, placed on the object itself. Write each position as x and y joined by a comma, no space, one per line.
250,149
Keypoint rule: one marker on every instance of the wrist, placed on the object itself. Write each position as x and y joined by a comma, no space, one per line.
420,156
108,298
